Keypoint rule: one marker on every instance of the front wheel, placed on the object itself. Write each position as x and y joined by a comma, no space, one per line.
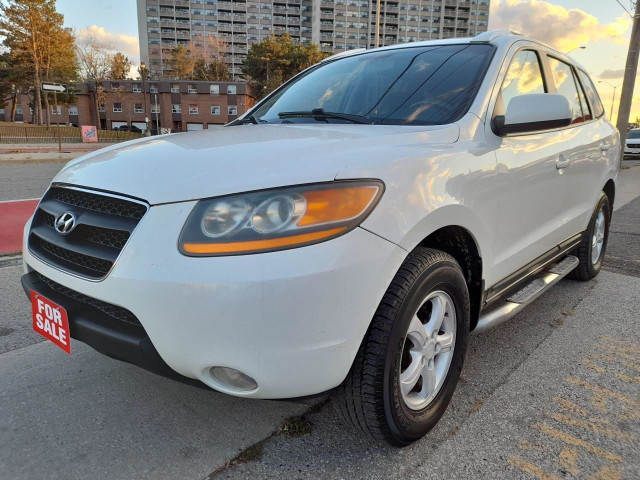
410,360
592,248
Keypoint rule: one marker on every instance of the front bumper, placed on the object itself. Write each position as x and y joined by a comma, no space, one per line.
292,320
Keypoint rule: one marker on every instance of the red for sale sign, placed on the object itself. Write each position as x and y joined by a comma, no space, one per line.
50,320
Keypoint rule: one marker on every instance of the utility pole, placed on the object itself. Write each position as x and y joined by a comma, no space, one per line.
630,72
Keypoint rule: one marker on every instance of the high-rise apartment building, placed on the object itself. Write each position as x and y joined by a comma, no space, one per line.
336,25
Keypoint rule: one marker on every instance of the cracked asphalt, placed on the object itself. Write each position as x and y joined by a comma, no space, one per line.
552,394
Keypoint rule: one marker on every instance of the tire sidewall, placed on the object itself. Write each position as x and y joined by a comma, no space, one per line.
409,425
594,269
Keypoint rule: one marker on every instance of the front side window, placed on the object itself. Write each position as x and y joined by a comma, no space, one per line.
592,94
407,86
524,77
566,86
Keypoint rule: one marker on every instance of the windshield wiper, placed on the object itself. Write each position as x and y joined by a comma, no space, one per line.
251,119
320,114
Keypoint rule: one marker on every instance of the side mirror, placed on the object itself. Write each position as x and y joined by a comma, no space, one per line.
532,113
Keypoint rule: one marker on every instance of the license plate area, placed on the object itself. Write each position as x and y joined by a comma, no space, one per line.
50,320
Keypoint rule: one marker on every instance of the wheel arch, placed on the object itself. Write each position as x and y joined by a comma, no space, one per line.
610,190
459,242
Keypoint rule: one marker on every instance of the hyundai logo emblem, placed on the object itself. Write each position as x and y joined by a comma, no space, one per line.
65,223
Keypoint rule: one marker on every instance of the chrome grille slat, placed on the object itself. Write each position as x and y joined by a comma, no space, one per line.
104,224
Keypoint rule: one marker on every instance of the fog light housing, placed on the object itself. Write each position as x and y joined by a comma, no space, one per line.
233,379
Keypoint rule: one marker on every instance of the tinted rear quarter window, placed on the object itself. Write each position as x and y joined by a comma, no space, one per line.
592,94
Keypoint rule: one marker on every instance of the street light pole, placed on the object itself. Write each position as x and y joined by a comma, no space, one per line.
615,87
143,74
581,47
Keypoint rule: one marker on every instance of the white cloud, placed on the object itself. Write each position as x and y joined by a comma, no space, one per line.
120,42
558,26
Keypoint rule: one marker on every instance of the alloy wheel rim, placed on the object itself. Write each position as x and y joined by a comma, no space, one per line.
428,350
597,240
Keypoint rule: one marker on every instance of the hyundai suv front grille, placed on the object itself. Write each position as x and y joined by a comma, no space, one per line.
102,224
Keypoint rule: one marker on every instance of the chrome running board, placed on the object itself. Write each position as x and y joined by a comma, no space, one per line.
516,302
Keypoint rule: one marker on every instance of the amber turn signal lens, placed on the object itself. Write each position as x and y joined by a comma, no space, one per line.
336,205
257,245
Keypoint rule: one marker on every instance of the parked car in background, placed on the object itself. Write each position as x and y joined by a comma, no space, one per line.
127,128
346,234
632,143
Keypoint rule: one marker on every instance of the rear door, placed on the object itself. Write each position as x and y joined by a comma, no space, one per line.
531,213
588,144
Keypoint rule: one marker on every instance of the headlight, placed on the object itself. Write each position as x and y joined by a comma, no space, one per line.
277,219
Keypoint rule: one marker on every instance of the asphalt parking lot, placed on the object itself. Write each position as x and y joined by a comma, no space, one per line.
552,394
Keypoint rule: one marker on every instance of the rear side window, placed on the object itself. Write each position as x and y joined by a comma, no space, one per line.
592,94
524,77
566,86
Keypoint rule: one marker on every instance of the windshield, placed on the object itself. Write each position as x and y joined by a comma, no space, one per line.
405,86
633,134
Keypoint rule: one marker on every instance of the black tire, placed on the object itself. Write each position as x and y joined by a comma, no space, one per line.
586,269
370,397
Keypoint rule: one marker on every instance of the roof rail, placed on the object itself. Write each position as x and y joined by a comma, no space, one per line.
346,53
486,37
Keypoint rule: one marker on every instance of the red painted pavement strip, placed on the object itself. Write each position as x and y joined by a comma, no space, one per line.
13,216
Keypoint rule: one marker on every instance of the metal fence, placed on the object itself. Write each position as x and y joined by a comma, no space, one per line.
41,134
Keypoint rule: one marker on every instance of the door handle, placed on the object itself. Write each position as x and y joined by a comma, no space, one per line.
562,163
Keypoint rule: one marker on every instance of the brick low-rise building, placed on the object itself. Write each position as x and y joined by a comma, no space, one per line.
169,105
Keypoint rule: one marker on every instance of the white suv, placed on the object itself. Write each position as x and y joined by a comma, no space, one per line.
345,235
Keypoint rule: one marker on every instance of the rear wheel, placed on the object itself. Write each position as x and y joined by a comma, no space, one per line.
409,362
592,248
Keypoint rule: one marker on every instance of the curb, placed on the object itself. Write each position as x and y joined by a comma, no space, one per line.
11,259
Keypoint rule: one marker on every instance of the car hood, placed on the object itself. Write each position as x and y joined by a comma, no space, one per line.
194,165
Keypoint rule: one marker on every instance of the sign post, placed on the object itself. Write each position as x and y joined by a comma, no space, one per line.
55,88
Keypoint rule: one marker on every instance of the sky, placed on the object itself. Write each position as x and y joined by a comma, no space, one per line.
602,26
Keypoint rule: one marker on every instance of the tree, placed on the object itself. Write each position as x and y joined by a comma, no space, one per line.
35,38
209,62
275,60
216,70
95,58
120,66
182,63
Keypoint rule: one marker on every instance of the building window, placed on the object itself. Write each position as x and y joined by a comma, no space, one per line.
101,108
215,110
232,109
192,89
137,88
117,107
155,108
56,110
1,111
153,88
231,89
176,108
73,110
175,88
19,109
193,109
214,89
115,86
137,108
